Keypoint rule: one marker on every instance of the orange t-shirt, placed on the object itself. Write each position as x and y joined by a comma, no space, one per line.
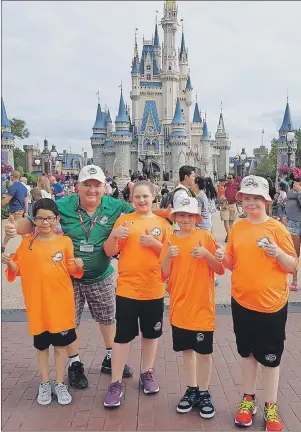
191,283
139,271
220,190
258,282
46,283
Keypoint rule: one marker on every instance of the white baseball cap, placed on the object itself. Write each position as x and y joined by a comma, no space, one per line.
186,205
91,172
254,185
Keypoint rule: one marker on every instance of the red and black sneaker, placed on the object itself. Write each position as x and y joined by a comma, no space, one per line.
271,417
245,411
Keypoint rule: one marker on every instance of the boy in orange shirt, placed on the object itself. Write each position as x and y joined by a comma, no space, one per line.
45,261
188,260
140,291
260,254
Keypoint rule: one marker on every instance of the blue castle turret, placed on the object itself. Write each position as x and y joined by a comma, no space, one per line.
7,138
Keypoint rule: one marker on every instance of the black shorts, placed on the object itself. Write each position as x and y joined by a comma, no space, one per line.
129,311
197,340
43,341
258,333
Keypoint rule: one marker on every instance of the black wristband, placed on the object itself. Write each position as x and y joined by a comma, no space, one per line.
2,249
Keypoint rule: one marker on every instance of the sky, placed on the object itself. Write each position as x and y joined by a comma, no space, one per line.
56,55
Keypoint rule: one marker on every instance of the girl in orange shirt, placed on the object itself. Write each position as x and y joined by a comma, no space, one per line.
140,291
45,261
260,254
188,260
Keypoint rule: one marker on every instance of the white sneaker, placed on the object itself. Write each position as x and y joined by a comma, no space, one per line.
63,396
44,396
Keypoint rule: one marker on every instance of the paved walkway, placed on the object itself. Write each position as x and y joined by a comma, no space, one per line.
20,379
12,295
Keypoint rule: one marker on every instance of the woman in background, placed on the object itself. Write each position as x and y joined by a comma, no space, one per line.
44,185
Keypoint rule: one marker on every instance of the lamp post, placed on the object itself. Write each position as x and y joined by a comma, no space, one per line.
289,137
247,164
37,162
231,166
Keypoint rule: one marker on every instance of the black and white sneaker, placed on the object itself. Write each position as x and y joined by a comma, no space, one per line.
189,400
206,405
106,367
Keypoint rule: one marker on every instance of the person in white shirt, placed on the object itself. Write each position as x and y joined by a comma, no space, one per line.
183,189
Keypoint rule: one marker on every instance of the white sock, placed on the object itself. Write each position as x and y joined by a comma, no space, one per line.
109,353
73,359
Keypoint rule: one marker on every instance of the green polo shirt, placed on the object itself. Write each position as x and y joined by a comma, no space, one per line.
97,265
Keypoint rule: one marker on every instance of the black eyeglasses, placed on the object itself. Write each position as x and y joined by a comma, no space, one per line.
40,220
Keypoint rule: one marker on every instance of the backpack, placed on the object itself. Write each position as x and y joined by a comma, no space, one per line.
126,193
167,198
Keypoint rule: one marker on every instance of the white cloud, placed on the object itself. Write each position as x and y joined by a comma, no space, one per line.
57,54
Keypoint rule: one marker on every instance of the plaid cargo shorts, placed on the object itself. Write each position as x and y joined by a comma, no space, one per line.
101,299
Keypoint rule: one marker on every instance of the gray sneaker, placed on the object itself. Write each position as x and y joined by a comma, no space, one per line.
45,393
114,395
62,394
148,382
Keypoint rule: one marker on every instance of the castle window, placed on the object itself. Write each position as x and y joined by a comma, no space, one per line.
148,67
148,77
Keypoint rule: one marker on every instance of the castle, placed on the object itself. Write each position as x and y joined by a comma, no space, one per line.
162,132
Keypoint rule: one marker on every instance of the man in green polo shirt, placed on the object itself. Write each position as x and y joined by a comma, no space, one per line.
88,219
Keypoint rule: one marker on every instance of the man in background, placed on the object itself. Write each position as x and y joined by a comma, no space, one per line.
57,188
228,206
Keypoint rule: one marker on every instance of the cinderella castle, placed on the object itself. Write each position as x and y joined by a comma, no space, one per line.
161,131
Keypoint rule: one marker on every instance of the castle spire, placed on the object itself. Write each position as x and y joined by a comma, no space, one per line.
156,38
221,126
287,124
100,119
205,136
196,114
136,45
4,120
178,117
122,115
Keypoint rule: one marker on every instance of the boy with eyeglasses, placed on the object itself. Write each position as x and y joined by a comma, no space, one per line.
45,262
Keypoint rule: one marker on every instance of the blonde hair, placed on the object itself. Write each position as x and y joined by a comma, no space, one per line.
36,193
44,184
146,183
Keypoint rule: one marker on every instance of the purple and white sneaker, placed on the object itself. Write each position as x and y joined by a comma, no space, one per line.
149,382
114,395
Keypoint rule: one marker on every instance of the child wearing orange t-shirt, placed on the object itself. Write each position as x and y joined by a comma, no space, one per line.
140,290
45,261
260,254
189,262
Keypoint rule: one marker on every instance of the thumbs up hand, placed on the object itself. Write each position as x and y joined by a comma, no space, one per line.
146,239
219,253
6,258
172,251
10,228
122,232
199,251
273,250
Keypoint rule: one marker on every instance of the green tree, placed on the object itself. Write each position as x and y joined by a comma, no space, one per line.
266,167
31,179
19,158
273,154
19,129
268,164
298,152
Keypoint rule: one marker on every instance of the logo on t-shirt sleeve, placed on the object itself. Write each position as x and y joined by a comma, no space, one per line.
57,257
